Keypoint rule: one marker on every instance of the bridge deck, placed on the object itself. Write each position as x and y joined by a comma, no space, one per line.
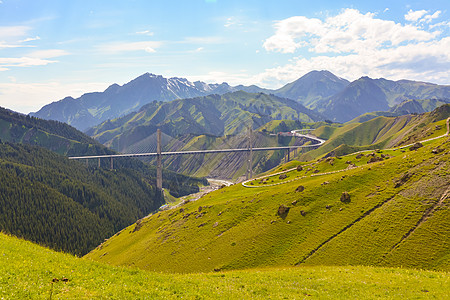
320,142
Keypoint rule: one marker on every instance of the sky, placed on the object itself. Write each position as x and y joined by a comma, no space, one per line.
52,49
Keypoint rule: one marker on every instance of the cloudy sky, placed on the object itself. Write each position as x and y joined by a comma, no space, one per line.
50,49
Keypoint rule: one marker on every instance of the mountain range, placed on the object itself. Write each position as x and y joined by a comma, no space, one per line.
334,97
93,108
368,95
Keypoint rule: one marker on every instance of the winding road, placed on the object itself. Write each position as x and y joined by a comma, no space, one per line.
244,183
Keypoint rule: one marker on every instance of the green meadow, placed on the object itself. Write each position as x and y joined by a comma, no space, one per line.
29,271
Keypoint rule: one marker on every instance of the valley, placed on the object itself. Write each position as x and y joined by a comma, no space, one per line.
211,149
324,199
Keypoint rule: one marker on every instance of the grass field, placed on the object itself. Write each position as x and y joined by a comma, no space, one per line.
27,271
377,133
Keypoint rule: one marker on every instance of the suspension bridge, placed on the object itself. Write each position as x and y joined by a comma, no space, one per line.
301,133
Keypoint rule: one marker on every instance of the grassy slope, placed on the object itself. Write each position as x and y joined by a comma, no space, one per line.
27,271
378,133
238,227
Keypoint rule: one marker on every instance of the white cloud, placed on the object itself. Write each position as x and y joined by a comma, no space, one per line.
348,32
352,44
203,40
10,34
232,21
7,32
440,24
4,45
50,53
36,38
422,16
145,32
413,16
425,61
23,62
429,18
147,46
291,29
36,58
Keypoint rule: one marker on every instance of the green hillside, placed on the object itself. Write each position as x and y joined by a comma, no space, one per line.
217,115
378,133
53,135
276,126
397,215
30,271
68,141
70,205
60,203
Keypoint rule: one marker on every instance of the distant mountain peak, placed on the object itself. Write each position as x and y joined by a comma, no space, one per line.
93,108
313,86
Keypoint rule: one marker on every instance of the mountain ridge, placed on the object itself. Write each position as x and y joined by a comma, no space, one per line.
116,100
322,91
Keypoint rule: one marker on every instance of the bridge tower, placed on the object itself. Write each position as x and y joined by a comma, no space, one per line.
158,161
250,154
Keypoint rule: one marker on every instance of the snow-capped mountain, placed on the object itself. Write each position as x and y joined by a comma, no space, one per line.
93,108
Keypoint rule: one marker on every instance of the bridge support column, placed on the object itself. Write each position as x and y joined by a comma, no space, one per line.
448,126
250,155
158,161
99,163
288,155
112,164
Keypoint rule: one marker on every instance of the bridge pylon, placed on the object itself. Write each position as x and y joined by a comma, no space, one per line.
250,154
158,161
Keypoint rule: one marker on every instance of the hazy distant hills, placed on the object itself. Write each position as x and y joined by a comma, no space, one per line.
367,95
336,98
417,106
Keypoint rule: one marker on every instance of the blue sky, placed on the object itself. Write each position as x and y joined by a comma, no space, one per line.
52,49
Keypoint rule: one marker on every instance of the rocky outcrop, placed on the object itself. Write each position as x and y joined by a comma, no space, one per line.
345,197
